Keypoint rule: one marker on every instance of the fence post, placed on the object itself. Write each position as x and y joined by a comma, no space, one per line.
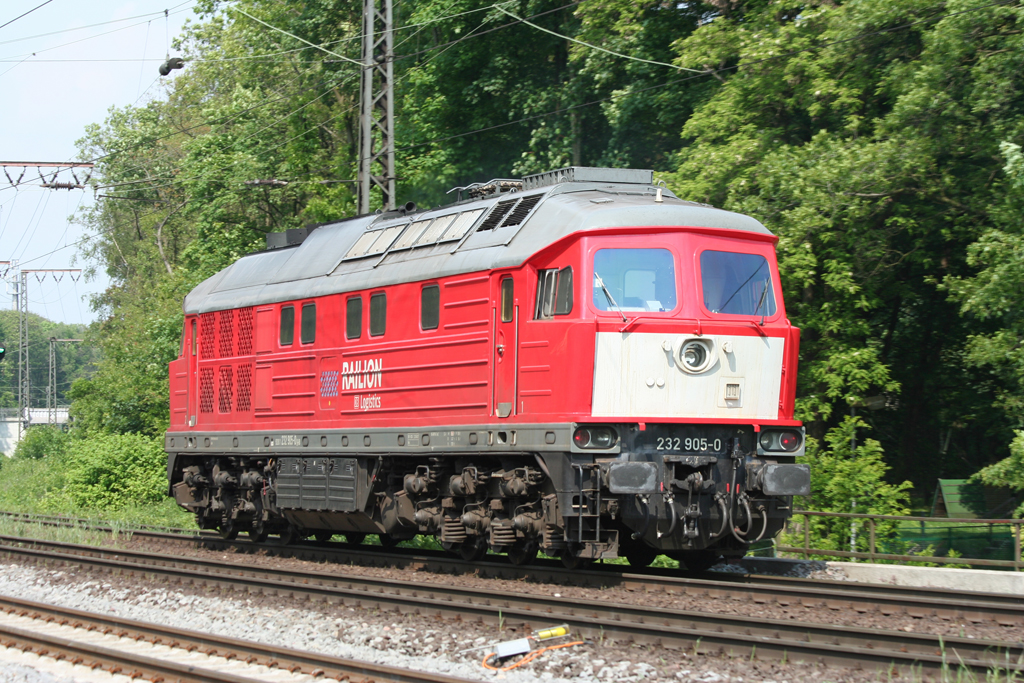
871,527
1016,547
807,538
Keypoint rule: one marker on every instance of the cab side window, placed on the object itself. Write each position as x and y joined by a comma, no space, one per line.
287,325
354,317
308,328
507,300
378,313
554,293
430,307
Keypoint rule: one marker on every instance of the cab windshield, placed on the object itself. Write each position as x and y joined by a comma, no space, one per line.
736,284
634,280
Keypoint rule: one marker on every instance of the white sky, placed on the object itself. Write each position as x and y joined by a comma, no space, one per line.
45,107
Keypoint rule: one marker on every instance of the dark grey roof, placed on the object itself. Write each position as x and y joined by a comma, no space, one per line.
319,265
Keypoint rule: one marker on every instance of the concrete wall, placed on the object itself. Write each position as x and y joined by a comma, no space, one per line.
9,425
8,437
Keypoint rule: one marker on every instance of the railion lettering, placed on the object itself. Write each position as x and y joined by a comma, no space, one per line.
362,374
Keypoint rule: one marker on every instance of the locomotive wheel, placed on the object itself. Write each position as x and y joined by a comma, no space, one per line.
355,538
323,536
258,532
228,531
640,555
698,560
570,560
522,553
473,551
291,535
388,541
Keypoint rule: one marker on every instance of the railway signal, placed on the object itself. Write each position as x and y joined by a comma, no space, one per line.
3,352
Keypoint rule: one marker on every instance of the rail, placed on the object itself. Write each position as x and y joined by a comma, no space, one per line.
871,521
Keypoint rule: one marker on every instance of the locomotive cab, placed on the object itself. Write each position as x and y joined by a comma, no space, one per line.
578,362
678,442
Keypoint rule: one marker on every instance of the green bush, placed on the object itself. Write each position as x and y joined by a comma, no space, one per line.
41,441
115,471
845,478
27,485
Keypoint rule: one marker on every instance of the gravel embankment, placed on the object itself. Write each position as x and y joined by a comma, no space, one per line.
424,643
739,606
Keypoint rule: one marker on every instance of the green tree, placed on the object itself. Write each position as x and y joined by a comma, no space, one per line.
848,474
1008,472
866,135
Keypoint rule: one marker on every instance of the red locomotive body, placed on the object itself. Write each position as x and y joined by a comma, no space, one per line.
577,362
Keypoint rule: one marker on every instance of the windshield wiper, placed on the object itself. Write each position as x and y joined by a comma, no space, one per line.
760,302
742,285
608,294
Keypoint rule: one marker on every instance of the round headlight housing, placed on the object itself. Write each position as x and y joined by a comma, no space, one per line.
595,437
789,441
696,355
786,441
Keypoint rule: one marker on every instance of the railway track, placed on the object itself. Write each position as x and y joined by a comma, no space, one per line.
974,607
693,631
153,652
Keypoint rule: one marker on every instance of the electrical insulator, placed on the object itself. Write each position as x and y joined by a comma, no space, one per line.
171,63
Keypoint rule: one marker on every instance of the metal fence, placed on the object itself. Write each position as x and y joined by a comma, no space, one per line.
990,529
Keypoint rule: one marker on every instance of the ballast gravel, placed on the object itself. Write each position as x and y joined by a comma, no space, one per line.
410,641
723,604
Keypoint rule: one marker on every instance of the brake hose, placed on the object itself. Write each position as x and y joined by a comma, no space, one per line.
647,519
764,524
670,501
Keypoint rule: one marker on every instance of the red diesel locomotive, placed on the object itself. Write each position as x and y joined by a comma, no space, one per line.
577,362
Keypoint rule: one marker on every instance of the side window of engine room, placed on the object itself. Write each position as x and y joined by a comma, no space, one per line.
308,327
287,325
736,284
354,317
640,280
378,313
430,307
554,293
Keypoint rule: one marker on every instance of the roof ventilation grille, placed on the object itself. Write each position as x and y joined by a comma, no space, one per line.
497,213
522,210
588,174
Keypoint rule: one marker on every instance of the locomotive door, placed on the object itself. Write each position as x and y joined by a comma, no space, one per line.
264,372
506,344
192,392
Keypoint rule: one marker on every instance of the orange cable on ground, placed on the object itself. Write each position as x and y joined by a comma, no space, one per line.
530,656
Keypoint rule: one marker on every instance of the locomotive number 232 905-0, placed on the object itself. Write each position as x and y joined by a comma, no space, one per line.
689,445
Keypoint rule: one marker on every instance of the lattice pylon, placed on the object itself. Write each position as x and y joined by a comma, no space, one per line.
24,379
377,107
51,389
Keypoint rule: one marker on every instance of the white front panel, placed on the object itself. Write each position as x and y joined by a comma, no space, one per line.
640,375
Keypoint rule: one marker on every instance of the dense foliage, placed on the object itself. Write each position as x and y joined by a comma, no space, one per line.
109,476
880,140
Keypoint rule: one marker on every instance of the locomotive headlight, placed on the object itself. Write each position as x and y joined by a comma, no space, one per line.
790,441
696,355
594,437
